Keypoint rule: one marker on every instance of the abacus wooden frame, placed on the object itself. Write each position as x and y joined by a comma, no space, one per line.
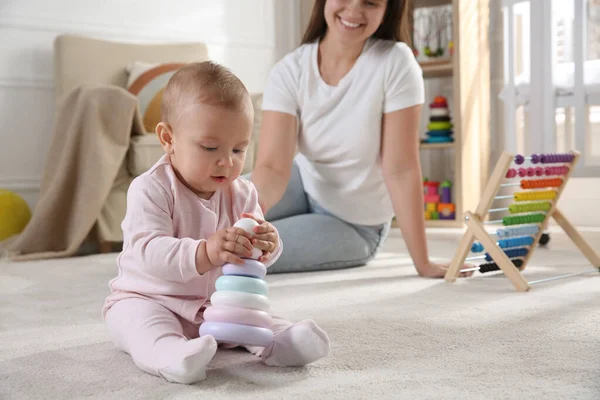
476,230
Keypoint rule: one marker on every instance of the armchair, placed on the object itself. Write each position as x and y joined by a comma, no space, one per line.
80,60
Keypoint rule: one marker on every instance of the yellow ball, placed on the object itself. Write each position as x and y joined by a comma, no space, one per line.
14,214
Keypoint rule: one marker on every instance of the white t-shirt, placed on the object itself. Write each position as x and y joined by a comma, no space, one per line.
339,134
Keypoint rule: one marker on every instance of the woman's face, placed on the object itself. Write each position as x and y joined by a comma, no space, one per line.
354,21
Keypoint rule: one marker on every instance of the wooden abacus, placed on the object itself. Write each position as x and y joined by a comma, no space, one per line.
533,207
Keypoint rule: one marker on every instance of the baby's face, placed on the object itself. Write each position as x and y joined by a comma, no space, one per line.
209,146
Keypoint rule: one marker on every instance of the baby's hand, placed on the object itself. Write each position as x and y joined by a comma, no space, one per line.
265,237
228,246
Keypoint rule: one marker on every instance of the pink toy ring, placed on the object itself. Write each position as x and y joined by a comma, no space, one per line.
235,315
251,268
241,335
240,299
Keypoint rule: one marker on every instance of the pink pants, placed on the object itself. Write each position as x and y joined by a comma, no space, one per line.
155,337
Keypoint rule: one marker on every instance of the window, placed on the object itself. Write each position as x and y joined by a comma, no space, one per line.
564,35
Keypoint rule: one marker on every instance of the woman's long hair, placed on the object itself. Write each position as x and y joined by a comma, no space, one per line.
395,25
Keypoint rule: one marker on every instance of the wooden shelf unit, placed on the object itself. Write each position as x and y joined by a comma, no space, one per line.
469,70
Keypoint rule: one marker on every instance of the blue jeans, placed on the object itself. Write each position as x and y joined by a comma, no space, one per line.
314,239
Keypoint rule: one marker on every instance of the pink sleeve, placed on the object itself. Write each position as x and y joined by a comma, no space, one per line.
251,206
148,231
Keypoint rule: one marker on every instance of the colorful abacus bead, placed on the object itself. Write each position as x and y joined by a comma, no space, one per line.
517,208
541,183
539,195
477,247
556,158
515,242
545,158
557,170
539,171
506,243
489,267
511,253
523,219
518,231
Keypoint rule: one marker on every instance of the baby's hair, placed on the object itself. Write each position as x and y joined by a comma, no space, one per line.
206,83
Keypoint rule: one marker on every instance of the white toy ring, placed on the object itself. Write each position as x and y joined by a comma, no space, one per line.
250,301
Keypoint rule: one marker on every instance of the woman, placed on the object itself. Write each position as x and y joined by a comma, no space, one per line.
349,100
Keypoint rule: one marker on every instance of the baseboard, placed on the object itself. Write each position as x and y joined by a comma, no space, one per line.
28,188
20,184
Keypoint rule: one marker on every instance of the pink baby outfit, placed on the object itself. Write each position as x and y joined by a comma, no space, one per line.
157,300
164,224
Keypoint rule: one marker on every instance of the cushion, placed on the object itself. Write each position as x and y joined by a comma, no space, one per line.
148,82
144,152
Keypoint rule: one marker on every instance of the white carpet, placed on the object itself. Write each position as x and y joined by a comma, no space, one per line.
394,335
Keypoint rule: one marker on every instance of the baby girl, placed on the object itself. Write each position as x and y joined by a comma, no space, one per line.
178,232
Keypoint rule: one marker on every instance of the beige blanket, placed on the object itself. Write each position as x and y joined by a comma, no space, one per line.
91,138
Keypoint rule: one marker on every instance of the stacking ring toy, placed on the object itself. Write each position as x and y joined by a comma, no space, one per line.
236,334
236,315
251,268
241,284
250,301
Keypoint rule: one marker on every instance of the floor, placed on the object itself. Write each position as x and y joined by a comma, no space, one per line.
394,335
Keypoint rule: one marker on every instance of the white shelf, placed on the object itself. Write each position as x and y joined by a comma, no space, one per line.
468,69
426,146
431,3
437,69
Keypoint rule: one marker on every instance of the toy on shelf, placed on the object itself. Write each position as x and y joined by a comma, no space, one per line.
438,200
432,31
509,248
439,129
238,313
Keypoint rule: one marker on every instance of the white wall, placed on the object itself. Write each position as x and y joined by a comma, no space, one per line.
248,36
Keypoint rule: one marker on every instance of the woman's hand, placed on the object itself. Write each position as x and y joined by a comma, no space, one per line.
434,270
265,237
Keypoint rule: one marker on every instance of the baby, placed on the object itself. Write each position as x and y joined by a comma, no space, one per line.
178,232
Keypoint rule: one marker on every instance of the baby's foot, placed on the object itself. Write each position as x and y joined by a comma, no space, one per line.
192,368
300,344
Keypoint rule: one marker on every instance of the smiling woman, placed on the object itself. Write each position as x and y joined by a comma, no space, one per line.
349,100
394,25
